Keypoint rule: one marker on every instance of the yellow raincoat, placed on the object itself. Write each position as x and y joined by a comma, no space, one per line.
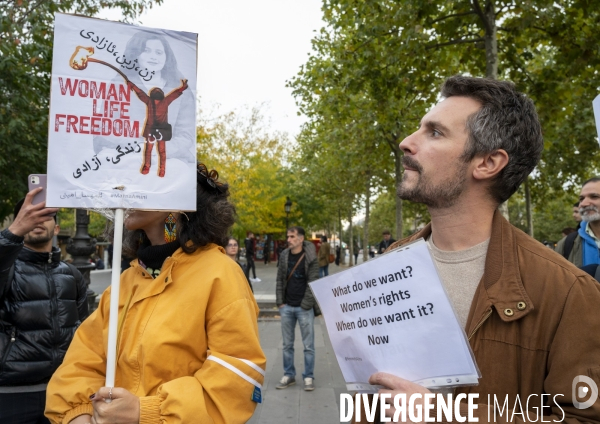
188,345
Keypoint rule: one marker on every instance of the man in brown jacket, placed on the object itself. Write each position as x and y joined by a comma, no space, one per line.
531,317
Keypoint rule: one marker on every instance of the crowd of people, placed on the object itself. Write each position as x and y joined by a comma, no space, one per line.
188,344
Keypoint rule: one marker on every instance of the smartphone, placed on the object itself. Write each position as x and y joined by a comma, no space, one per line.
35,181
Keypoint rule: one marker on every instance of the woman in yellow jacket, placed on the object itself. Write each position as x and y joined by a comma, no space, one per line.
188,349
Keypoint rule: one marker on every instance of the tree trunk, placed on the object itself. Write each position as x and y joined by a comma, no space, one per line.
398,168
366,225
488,18
491,41
528,208
351,242
491,61
341,238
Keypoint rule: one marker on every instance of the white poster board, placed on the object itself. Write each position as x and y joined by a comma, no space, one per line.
392,314
122,130
596,106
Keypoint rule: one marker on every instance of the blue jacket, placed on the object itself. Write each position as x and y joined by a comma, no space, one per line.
591,253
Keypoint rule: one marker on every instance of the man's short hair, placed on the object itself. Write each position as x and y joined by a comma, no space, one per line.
507,120
323,238
576,204
386,233
591,180
297,229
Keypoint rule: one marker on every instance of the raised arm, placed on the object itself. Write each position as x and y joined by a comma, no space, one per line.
138,92
177,92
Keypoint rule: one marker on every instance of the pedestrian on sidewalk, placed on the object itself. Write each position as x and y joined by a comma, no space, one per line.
232,248
323,256
337,254
386,242
267,251
249,244
355,249
298,267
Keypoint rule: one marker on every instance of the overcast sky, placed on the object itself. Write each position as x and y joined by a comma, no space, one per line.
247,49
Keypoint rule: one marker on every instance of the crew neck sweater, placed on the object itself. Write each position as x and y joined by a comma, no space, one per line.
460,272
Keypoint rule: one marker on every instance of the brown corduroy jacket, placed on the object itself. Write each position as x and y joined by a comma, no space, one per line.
534,325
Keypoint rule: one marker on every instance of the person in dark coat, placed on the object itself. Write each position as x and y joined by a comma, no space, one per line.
386,242
249,245
42,302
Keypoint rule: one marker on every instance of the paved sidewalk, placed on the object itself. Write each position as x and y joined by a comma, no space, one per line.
294,405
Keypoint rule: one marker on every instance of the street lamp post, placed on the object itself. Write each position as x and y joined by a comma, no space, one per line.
288,208
80,248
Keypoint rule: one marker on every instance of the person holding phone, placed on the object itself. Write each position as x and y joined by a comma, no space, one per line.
42,302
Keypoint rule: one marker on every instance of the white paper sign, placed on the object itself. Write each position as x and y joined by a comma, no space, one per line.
596,105
122,130
392,314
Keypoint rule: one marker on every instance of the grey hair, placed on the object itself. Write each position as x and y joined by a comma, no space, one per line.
507,120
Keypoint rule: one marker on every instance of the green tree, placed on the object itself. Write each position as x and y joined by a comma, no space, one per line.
251,159
26,37
66,219
380,62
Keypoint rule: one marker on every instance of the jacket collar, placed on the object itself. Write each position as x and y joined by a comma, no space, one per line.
501,285
157,285
28,255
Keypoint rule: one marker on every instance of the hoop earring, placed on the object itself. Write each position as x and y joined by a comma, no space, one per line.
170,228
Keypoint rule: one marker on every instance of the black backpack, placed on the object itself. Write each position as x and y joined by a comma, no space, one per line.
570,240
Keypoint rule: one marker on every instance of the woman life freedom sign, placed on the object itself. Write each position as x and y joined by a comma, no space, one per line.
392,314
122,130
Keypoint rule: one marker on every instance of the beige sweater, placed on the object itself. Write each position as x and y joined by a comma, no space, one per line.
460,272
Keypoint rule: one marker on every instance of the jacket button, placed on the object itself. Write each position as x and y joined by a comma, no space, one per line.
521,306
509,312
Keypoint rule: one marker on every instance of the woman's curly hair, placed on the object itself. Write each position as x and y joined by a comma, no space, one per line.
210,223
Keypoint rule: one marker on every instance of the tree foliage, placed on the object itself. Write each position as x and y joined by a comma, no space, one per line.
26,37
96,228
252,160
376,67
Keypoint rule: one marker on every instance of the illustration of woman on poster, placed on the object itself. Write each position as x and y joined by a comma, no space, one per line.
166,119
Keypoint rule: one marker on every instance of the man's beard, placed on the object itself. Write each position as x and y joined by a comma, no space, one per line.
589,217
37,240
442,196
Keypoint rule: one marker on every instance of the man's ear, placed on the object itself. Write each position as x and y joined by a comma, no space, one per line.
490,164
56,229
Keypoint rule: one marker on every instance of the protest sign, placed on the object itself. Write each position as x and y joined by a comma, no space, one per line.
122,116
392,314
596,107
